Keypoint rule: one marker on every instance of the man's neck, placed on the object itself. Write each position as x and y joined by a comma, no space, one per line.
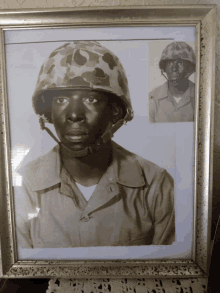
178,88
89,169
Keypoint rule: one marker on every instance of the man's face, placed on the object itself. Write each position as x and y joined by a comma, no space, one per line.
177,69
80,117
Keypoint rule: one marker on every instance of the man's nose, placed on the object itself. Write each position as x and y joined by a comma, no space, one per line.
175,66
75,111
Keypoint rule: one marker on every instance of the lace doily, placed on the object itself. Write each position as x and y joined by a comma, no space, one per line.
127,286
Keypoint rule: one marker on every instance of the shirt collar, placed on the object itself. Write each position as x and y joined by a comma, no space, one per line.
46,170
43,172
126,168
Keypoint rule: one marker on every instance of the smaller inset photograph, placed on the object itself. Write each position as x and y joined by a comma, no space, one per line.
171,81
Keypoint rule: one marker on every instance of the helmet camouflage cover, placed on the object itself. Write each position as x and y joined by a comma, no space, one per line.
82,65
177,50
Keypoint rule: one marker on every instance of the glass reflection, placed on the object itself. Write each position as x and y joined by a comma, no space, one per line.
18,154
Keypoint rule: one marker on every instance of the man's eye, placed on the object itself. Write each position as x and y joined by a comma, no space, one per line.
91,100
61,100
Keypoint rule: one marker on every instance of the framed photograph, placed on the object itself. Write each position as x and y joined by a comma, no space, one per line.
107,127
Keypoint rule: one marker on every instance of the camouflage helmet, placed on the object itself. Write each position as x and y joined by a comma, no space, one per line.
177,50
81,65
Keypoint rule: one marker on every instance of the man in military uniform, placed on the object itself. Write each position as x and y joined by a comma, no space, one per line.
174,101
89,191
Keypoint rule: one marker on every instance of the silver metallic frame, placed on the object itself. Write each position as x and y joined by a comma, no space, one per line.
203,17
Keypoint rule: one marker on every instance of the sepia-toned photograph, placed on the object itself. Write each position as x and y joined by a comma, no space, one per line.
174,100
83,91
89,168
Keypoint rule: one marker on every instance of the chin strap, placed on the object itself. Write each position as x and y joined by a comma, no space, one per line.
162,73
107,135
42,121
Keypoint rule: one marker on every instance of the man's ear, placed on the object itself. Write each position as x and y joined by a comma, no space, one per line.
190,69
116,113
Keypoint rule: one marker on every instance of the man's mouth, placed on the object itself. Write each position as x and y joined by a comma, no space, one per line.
174,75
76,136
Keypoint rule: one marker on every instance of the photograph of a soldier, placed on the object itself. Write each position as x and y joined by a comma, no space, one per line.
89,191
174,100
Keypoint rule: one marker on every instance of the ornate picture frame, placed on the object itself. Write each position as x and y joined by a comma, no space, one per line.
196,264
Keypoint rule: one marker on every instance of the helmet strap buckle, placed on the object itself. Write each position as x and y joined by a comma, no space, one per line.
42,121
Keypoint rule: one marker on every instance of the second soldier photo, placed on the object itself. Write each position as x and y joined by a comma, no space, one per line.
174,100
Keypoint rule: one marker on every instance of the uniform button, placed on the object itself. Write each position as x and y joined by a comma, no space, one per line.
112,180
85,219
112,188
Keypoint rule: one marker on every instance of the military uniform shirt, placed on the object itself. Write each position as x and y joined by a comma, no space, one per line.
133,204
164,108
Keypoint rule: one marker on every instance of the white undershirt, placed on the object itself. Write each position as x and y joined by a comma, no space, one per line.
177,99
86,191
